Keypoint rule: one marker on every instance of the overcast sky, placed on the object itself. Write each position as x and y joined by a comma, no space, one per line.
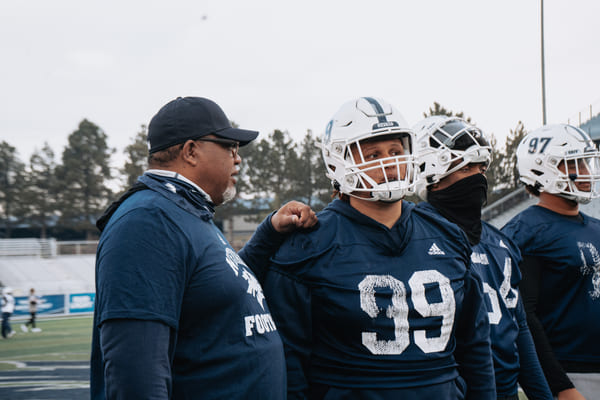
289,65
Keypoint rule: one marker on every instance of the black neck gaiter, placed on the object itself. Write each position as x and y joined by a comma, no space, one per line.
461,203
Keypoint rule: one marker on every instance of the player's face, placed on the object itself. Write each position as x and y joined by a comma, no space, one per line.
378,159
576,168
464,172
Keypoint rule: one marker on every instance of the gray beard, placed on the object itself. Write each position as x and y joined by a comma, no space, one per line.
229,194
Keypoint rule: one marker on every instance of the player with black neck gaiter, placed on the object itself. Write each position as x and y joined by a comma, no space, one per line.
461,203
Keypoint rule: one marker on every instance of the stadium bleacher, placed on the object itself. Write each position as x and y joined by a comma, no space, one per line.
54,275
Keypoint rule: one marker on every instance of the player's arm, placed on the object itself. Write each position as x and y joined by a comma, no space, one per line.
473,349
136,359
262,245
271,233
556,377
531,376
292,315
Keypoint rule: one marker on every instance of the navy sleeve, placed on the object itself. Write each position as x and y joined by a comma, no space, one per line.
473,349
262,245
292,314
531,376
556,377
136,359
136,278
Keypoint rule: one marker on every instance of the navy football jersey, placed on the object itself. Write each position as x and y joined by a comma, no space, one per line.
569,289
496,260
161,258
362,307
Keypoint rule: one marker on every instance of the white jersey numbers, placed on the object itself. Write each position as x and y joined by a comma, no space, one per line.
398,311
446,308
509,295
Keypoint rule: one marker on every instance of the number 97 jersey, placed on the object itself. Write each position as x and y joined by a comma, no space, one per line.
363,307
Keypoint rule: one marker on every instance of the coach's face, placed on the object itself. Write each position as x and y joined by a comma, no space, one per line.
217,168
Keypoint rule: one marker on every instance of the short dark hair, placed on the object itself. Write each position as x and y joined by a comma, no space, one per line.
163,158
532,190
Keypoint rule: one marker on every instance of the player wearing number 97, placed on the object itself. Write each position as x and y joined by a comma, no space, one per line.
453,156
561,263
378,301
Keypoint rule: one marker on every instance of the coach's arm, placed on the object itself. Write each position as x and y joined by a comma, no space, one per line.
136,359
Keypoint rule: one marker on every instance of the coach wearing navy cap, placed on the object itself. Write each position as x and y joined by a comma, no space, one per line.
178,313
191,118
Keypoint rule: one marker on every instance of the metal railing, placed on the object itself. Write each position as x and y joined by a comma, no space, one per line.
504,204
34,247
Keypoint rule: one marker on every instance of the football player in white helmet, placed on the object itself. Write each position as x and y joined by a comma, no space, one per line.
560,159
450,147
445,145
561,263
453,156
355,167
356,295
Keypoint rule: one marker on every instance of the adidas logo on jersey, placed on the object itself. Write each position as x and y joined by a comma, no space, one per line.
434,250
502,244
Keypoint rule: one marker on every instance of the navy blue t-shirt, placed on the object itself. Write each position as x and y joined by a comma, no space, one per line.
365,308
161,258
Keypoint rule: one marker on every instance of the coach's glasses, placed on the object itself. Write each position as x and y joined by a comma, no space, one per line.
232,145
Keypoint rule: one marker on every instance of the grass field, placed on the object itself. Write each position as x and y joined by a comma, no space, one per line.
49,365
61,339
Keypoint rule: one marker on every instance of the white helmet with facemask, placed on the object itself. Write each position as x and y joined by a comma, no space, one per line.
359,121
447,144
555,158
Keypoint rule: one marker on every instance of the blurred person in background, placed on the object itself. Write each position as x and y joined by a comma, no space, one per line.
33,305
8,307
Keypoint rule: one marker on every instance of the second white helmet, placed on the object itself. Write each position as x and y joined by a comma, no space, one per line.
358,120
444,145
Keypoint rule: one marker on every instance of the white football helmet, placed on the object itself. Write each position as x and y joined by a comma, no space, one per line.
358,120
544,155
444,145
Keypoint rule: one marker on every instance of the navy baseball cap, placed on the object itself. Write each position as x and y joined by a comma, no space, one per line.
191,118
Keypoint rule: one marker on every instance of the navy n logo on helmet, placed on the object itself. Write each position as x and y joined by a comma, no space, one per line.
380,114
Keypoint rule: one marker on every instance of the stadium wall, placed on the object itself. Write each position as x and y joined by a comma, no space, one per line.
56,304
